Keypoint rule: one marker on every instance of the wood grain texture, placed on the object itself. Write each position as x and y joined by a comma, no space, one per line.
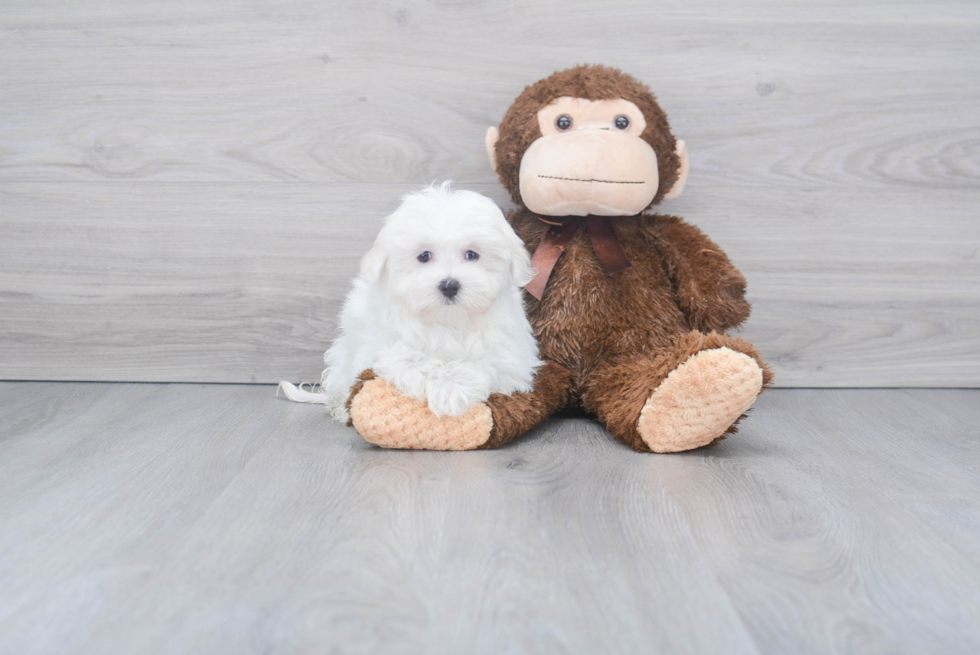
242,283
955,402
185,187
877,96
216,519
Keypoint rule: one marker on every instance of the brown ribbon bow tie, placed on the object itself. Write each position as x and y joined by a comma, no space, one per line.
604,242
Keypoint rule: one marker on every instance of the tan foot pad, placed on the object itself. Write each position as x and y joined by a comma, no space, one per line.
699,400
386,418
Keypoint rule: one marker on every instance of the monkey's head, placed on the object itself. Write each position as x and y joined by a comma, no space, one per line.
587,140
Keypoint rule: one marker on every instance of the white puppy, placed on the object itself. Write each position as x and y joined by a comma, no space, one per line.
437,308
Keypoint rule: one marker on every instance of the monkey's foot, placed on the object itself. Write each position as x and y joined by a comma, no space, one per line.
386,418
699,400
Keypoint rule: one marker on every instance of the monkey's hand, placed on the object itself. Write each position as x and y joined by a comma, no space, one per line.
388,418
711,291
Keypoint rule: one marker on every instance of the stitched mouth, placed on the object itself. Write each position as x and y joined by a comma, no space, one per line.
579,179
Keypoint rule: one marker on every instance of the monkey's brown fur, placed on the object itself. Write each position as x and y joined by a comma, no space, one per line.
610,340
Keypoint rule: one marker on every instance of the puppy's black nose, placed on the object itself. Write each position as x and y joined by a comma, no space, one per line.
449,288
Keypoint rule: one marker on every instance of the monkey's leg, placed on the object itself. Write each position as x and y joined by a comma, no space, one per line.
688,396
519,413
386,418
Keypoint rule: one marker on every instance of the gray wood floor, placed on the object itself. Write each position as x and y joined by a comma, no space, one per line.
148,518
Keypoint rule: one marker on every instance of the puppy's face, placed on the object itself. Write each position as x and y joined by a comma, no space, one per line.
446,253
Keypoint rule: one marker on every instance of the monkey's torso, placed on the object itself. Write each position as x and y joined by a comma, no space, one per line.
588,318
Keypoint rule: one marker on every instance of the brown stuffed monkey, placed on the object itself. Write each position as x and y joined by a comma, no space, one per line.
629,308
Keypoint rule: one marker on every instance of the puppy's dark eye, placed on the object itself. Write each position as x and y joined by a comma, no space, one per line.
563,122
622,122
472,256
425,256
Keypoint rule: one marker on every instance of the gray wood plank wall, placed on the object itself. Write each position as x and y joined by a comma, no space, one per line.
186,187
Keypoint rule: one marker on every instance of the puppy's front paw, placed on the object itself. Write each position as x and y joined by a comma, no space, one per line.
406,369
410,381
452,388
445,398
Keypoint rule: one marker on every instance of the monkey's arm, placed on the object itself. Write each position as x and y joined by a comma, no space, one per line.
710,289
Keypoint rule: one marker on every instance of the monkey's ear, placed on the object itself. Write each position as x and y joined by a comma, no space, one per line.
681,172
491,143
373,263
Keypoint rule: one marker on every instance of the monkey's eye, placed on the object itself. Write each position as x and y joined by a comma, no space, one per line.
563,122
472,256
424,257
622,123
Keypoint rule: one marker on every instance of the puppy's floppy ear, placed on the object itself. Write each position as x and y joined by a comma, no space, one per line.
518,258
373,262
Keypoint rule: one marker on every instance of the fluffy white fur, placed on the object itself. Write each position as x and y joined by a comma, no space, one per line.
449,352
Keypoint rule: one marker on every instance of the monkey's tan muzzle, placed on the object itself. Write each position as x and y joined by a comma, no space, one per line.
589,172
